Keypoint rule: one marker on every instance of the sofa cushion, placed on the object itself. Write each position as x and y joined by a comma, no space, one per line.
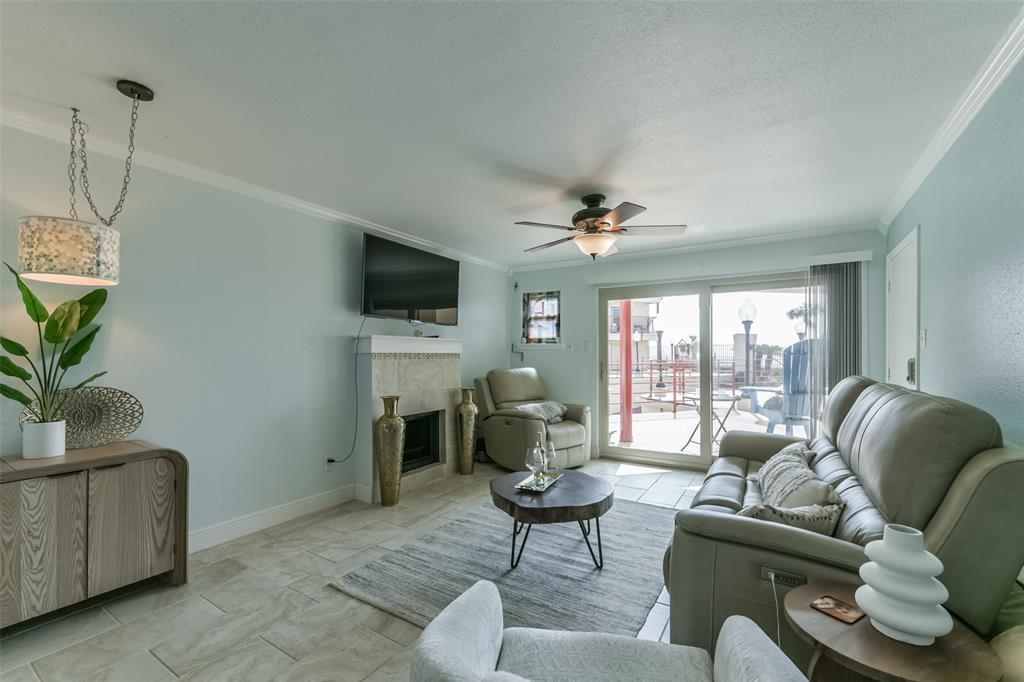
840,400
815,518
906,448
548,410
721,491
732,466
510,387
787,480
860,522
555,655
566,434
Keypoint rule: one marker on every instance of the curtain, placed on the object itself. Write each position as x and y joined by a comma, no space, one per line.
833,324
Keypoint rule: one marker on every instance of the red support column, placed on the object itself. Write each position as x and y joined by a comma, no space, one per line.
626,371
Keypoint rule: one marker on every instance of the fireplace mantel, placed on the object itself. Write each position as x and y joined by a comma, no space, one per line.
380,343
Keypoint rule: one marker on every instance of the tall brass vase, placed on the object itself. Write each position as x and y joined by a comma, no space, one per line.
388,446
467,432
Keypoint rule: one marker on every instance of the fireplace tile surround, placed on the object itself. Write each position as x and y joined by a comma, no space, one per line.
426,374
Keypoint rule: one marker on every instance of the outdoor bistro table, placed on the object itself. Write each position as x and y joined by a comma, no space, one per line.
694,400
575,496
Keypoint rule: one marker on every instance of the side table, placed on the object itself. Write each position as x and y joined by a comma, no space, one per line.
864,653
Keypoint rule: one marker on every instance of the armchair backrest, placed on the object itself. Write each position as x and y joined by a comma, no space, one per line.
745,654
512,387
796,379
463,643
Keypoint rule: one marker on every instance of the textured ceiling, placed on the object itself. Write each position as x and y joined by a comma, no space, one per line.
449,121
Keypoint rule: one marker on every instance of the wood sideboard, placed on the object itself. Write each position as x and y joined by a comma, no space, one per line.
86,523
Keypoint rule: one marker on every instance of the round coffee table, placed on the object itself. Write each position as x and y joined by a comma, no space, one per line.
959,656
576,496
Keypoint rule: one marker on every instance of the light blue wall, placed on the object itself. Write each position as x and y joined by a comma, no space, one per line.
970,211
233,324
571,375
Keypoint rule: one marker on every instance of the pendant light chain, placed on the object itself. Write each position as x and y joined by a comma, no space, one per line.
78,131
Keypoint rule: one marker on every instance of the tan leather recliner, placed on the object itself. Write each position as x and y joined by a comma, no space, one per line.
894,456
508,433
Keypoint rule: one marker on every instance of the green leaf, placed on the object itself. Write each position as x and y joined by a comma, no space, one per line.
63,322
14,394
33,306
91,379
12,370
91,305
13,347
72,356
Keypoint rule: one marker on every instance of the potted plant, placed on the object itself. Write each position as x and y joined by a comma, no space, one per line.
59,331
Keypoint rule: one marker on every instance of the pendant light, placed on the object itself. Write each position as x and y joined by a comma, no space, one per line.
73,251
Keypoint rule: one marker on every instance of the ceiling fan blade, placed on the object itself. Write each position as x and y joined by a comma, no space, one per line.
549,244
610,252
622,213
556,227
652,230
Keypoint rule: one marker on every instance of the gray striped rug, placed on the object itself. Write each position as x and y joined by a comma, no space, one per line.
555,586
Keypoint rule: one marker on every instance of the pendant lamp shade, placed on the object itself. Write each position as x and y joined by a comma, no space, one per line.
68,251
595,244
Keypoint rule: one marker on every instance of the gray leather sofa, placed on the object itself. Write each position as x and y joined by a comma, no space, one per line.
893,455
508,433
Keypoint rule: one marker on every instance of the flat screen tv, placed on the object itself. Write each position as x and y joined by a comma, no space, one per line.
405,283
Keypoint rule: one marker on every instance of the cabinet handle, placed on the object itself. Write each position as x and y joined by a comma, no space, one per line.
66,473
109,466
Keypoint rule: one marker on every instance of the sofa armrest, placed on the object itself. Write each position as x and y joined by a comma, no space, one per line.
775,537
753,445
577,413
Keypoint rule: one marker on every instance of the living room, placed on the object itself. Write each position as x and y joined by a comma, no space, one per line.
287,321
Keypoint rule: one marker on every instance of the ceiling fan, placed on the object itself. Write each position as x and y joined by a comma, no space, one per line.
598,227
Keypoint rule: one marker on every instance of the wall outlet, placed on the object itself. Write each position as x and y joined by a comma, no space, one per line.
783,578
329,464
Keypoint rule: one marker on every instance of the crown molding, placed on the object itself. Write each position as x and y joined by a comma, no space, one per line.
997,67
870,226
227,183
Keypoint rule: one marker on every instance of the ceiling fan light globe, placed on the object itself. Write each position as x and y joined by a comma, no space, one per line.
595,244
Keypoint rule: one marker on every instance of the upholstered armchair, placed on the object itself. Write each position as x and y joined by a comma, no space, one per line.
468,642
508,432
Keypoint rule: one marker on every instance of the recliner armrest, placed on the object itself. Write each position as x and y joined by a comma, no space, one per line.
577,413
754,445
775,537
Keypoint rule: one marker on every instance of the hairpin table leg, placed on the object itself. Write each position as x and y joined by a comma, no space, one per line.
599,557
516,529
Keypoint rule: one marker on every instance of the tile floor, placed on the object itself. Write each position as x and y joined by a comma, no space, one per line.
258,608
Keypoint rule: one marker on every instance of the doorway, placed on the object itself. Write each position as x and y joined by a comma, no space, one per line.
682,364
901,314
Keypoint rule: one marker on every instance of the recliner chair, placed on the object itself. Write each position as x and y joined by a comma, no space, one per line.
894,456
509,433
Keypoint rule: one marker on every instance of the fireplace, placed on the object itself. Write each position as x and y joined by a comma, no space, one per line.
422,440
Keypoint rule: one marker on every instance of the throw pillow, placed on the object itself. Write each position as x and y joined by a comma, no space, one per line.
816,518
549,410
788,481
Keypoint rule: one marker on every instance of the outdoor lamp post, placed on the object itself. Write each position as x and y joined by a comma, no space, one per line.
661,377
800,327
747,311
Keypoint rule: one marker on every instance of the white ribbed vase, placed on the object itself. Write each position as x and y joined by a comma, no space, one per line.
900,593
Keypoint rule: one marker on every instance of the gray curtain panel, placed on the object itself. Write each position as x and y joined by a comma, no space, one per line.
833,324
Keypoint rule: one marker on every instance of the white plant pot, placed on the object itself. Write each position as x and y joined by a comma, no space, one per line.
42,439
901,594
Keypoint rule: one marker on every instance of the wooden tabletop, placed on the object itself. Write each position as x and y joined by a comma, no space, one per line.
576,496
960,656
16,468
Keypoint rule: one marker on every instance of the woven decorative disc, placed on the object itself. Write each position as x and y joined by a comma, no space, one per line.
96,415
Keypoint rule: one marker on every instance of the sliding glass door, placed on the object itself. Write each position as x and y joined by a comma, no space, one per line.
683,364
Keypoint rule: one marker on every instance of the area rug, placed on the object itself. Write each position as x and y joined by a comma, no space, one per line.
556,585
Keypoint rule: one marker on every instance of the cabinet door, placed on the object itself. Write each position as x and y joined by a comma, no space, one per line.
131,523
42,545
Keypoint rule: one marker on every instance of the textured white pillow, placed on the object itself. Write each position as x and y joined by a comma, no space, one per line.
817,518
788,481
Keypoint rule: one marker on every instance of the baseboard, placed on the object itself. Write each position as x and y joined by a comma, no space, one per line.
364,493
225,531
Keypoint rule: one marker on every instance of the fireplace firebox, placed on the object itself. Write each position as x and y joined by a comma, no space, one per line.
422,440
